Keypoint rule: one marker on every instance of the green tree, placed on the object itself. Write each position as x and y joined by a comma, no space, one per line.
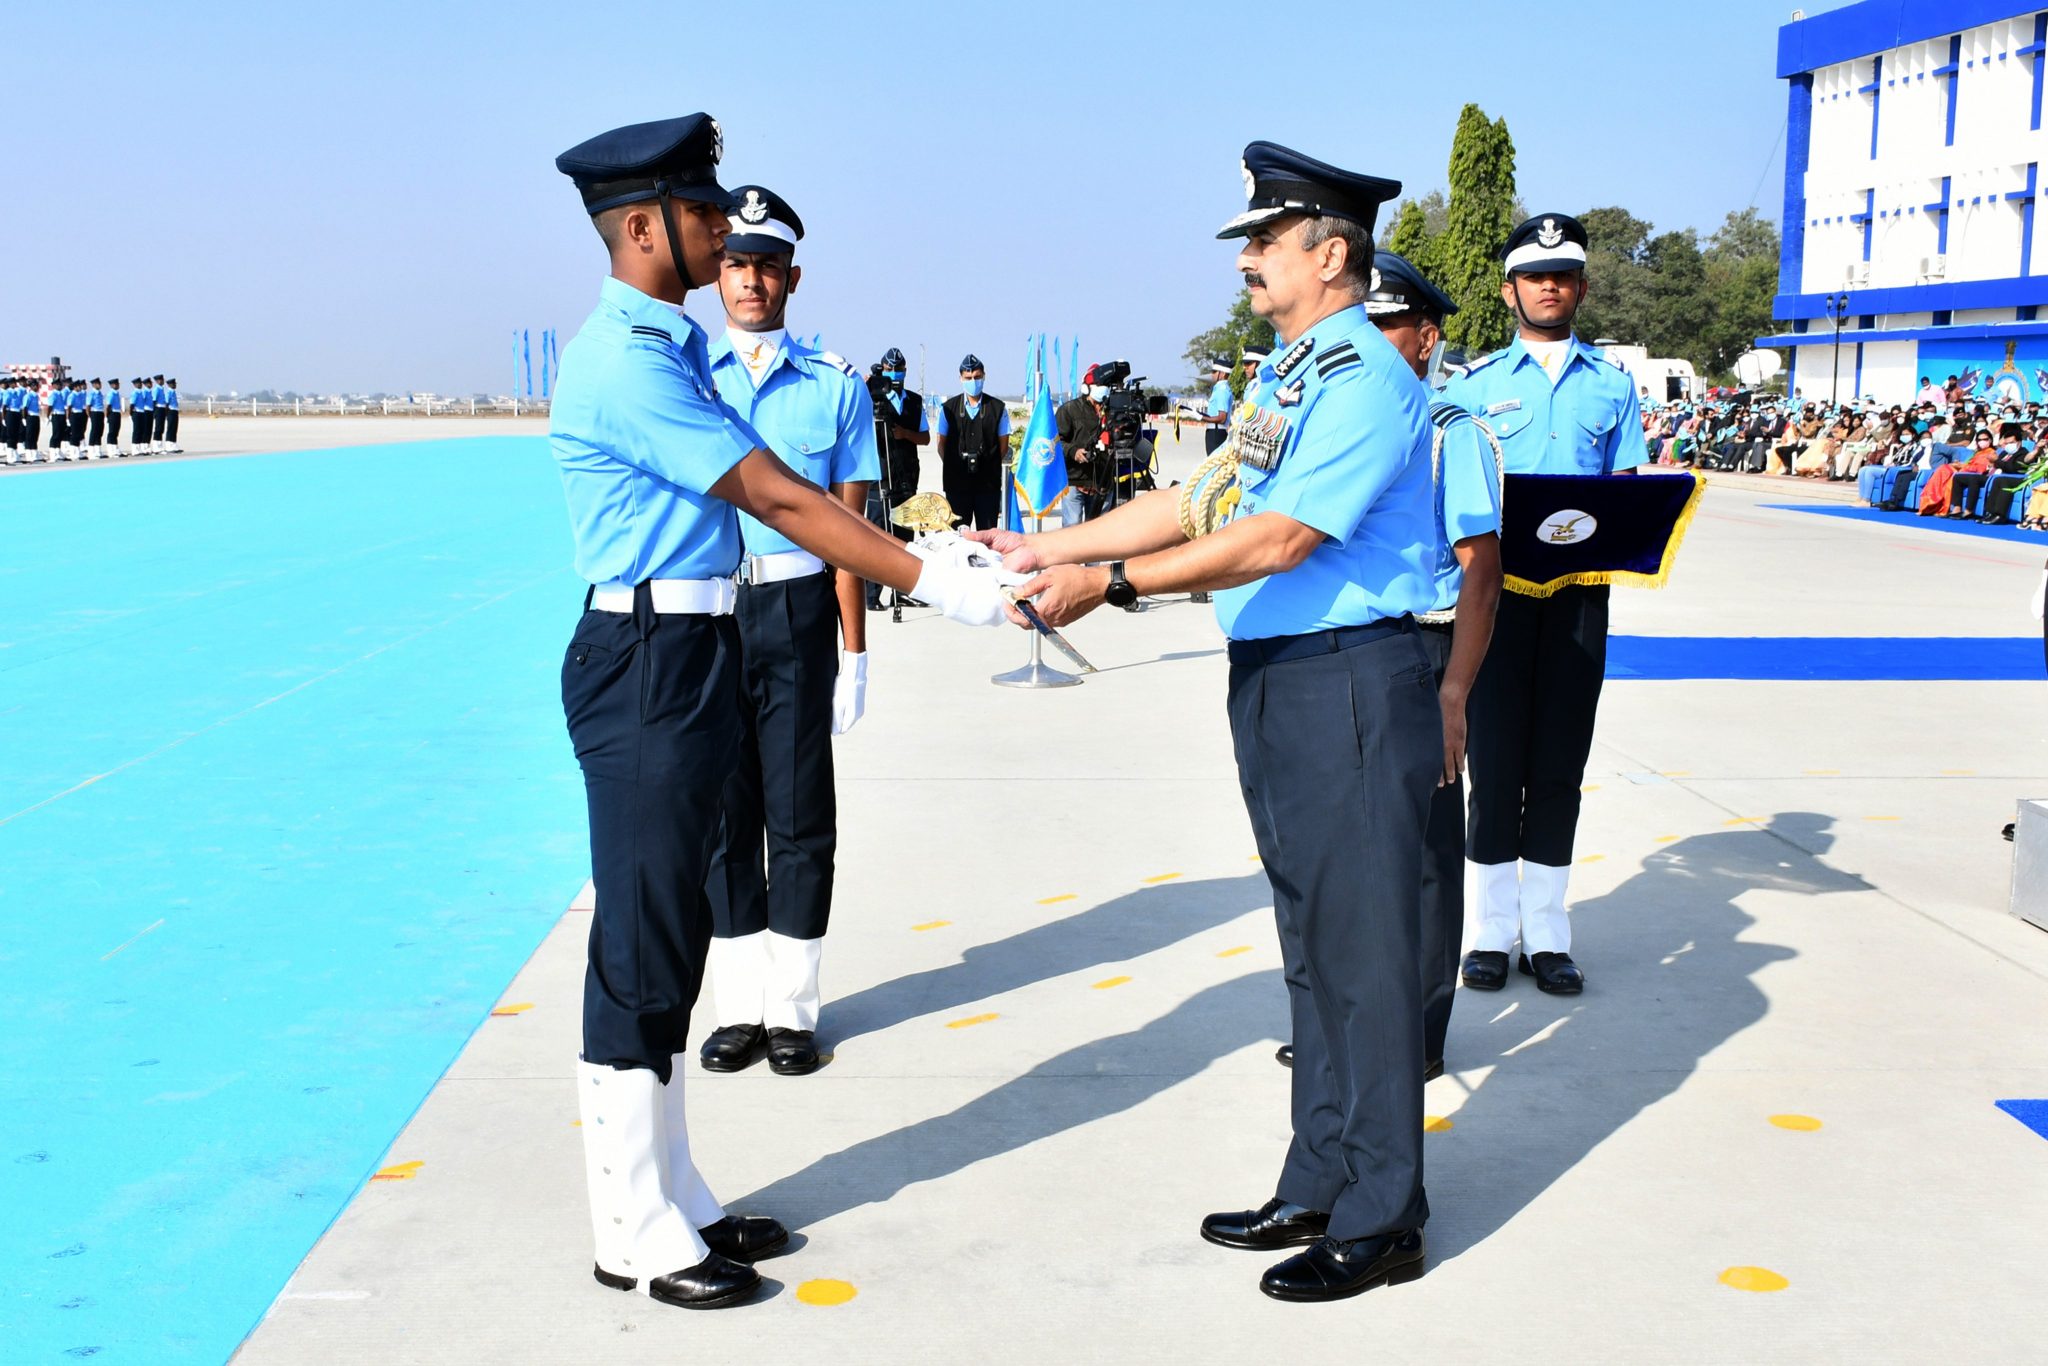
1740,265
1479,216
1240,329
1431,212
1410,236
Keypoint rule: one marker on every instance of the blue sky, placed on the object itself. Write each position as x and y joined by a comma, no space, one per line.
363,197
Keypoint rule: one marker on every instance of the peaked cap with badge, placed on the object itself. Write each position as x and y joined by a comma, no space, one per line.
1547,242
1279,181
762,221
1398,287
663,160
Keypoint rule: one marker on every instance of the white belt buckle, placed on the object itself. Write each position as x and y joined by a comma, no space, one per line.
750,569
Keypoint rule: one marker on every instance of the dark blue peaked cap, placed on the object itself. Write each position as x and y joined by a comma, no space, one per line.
1398,287
1279,181
762,221
638,162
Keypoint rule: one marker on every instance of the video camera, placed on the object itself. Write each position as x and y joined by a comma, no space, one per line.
1124,410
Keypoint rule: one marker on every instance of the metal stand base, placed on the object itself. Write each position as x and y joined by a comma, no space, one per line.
1036,674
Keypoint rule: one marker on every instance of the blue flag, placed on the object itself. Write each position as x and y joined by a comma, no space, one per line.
1041,477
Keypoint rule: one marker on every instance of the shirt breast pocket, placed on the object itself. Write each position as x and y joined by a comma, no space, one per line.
808,450
1509,425
1595,429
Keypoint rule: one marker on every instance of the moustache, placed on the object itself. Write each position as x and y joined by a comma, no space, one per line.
1252,277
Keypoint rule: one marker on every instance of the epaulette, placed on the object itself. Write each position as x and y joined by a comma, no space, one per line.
837,362
653,334
1483,361
1338,357
1443,412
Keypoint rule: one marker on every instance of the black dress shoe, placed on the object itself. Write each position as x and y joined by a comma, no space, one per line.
792,1052
1555,973
745,1237
1432,1070
1333,1270
1284,1055
733,1048
713,1283
1263,1229
1484,970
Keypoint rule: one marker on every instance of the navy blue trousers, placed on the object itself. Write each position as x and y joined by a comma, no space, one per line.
1338,753
653,709
781,794
1443,882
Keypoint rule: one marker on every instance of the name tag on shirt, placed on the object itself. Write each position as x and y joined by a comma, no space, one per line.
1506,406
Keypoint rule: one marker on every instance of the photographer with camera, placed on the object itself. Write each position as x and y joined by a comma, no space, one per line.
974,436
1103,433
899,413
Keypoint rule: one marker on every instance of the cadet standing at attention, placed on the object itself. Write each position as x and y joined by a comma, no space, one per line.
114,417
10,418
1559,407
96,416
142,408
167,417
797,690
1329,552
1221,400
653,466
60,421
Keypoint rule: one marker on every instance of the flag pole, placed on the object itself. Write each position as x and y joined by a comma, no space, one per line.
1036,673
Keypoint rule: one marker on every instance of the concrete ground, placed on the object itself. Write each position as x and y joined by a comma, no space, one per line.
1053,997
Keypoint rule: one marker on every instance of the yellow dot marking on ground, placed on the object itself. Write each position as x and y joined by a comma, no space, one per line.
1592,858
1882,818
575,1123
1106,983
1436,1124
1257,859
1744,820
518,1008
1754,1278
1590,787
1667,839
930,925
825,1293
1232,953
1055,900
1163,877
403,1171
970,1020
1676,773
1800,1124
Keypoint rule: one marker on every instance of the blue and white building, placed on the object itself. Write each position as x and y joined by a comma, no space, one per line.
1913,184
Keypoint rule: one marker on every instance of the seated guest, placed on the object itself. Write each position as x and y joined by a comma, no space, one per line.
1996,486
1936,493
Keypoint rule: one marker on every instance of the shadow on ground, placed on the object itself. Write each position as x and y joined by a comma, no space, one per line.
1116,931
1670,979
1100,1078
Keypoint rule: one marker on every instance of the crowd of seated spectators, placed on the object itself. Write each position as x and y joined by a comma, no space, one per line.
1943,455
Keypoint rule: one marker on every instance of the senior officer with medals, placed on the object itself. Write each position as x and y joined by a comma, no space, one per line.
1559,408
653,466
1465,464
797,688
1326,548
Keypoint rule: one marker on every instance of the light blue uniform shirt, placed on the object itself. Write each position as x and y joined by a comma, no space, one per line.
812,410
1588,422
1220,399
113,400
96,400
640,436
12,401
167,397
1353,463
1467,503
141,403
60,401
32,404
973,410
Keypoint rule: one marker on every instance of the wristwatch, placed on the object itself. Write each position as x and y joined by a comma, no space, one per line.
1119,593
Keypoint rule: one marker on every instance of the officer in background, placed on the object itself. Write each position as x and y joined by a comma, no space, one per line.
1329,552
10,418
1558,407
167,417
31,420
60,421
653,465
80,402
974,438
797,688
114,417
96,419
904,427
1221,400
142,409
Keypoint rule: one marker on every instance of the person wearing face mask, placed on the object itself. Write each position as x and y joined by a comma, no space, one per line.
974,436
797,689
1079,423
2004,474
904,427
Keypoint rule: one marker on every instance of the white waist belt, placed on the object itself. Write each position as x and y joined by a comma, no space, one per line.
672,597
783,565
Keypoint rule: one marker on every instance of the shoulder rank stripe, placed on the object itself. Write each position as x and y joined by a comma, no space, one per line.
1296,354
1487,359
1336,358
838,362
1444,413
640,331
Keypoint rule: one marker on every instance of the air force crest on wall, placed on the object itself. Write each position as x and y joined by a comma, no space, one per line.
754,211
1549,235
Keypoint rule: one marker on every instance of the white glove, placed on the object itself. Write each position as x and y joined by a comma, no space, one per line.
950,547
969,596
849,692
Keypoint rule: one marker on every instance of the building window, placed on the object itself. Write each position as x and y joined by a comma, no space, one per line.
1942,317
